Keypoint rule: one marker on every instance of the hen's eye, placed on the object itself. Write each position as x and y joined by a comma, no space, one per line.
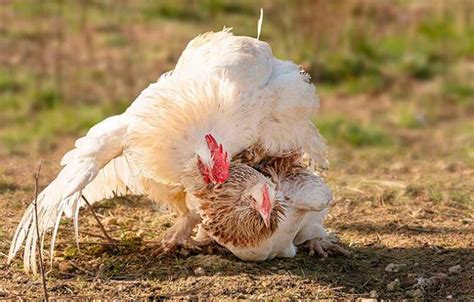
253,201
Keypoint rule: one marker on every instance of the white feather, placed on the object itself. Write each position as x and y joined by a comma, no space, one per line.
259,25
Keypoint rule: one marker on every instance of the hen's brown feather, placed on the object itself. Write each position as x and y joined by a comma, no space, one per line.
277,167
228,214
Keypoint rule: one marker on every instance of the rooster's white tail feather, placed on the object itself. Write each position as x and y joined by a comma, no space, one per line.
96,169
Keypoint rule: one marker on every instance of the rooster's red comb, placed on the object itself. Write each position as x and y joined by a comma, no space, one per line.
220,165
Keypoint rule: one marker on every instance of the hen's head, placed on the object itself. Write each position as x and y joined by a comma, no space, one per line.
243,210
214,170
262,200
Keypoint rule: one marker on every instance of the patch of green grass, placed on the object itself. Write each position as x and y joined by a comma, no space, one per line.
461,197
339,130
131,241
407,118
199,11
7,184
116,39
435,194
46,125
70,252
459,91
8,83
414,190
170,10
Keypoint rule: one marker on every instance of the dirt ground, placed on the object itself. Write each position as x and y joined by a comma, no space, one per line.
406,217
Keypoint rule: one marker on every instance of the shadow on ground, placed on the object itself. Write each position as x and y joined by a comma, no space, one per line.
423,272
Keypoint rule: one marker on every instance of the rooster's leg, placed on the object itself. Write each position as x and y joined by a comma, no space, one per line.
324,248
179,235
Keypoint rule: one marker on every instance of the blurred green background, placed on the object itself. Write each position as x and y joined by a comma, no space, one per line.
393,76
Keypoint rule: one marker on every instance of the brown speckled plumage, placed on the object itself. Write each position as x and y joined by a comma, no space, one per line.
228,214
277,167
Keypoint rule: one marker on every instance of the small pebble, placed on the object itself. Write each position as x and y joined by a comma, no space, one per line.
416,293
110,221
439,277
374,294
455,269
140,233
394,285
184,252
449,297
392,268
65,267
199,271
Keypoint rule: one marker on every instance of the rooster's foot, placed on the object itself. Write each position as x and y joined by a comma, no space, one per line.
324,248
179,235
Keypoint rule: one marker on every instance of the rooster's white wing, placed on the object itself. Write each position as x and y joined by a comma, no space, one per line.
95,169
279,90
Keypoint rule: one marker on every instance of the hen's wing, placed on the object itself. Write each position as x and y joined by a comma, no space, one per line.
310,196
307,191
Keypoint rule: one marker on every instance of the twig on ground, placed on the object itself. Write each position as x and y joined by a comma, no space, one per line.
100,223
101,243
81,269
40,252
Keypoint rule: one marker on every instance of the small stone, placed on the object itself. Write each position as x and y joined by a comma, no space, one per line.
449,297
58,254
140,233
455,269
58,259
199,271
416,293
439,277
392,268
130,221
394,285
184,252
110,221
374,294
65,267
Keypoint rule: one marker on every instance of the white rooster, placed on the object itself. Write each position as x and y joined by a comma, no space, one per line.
227,93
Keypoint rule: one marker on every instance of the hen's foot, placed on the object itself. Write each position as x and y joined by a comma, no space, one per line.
325,248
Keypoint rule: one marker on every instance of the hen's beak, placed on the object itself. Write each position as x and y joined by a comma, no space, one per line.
266,218
266,209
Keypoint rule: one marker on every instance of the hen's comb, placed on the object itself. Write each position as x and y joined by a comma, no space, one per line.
266,200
